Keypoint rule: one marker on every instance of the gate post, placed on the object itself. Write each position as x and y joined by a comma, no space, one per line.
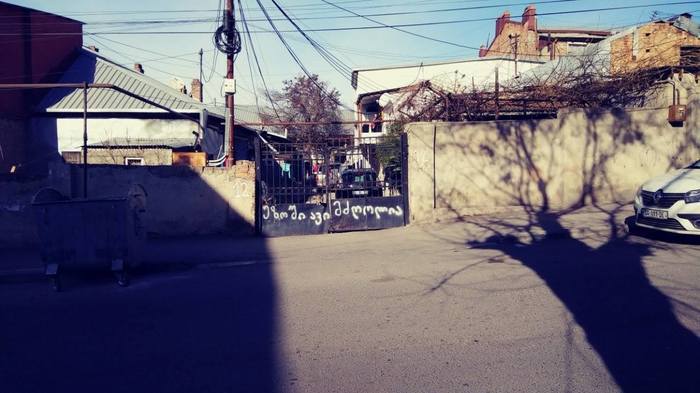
258,188
404,178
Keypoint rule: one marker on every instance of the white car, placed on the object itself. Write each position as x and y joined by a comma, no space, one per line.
671,202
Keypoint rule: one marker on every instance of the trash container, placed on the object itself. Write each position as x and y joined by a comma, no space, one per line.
89,233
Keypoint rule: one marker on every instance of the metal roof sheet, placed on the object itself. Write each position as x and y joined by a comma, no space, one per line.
144,143
93,68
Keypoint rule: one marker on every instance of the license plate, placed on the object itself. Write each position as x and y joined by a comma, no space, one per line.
360,192
652,213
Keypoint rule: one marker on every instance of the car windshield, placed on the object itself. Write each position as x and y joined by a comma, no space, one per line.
367,177
696,165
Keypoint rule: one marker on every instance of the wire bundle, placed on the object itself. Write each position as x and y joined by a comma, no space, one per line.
227,40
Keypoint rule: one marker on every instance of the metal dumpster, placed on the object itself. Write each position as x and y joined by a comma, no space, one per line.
89,233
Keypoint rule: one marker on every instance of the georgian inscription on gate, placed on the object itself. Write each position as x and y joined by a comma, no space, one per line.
341,215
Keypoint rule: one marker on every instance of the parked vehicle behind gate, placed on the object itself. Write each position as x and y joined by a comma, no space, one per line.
358,183
671,202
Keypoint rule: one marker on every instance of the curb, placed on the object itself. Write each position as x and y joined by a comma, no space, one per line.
38,273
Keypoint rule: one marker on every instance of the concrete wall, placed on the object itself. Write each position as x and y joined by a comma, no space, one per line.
580,157
17,227
181,201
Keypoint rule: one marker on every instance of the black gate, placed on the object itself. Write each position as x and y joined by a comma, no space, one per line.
342,184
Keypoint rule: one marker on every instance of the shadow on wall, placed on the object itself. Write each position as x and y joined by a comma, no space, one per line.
174,329
628,322
182,201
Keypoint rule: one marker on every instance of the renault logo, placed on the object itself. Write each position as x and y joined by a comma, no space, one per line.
657,196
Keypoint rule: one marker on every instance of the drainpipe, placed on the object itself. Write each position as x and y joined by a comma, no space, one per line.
434,167
676,92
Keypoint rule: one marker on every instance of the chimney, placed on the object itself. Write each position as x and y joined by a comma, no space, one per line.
138,68
196,90
483,50
93,48
501,21
530,18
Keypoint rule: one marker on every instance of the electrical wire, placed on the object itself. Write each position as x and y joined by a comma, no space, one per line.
398,13
297,60
379,25
216,52
257,63
331,59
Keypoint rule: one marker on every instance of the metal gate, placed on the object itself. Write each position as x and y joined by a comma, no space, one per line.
342,184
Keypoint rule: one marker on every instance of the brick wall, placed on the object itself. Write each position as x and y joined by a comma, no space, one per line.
527,42
35,57
651,45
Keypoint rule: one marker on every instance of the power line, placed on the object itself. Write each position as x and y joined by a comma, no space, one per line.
297,60
331,59
134,60
379,26
257,63
217,22
399,13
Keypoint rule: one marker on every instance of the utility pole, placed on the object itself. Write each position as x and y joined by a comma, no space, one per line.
514,44
229,23
496,113
85,140
201,74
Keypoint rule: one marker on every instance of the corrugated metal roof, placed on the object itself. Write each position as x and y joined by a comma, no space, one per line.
93,68
144,143
684,22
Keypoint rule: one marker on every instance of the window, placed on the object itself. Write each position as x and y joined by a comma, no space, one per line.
365,128
133,161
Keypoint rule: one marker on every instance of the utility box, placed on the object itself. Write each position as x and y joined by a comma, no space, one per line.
229,86
677,113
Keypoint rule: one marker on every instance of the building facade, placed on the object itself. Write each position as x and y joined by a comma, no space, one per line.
525,39
377,89
38,47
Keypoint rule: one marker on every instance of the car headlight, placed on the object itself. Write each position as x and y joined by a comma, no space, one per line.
692,196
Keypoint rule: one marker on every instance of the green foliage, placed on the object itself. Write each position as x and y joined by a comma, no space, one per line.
389,148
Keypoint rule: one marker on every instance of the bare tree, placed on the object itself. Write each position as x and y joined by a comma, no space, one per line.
582,81
307,102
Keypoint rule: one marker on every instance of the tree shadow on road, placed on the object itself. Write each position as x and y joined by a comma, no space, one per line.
627,321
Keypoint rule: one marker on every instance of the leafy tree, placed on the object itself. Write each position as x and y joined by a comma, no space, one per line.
307,100
389,148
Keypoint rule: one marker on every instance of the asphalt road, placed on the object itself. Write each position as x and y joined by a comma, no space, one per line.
421,309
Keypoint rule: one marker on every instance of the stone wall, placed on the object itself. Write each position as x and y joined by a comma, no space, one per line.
181,201
581,157
118,155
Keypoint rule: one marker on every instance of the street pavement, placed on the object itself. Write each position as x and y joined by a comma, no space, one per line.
509,303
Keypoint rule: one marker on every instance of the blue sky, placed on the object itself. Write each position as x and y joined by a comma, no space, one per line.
357,48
